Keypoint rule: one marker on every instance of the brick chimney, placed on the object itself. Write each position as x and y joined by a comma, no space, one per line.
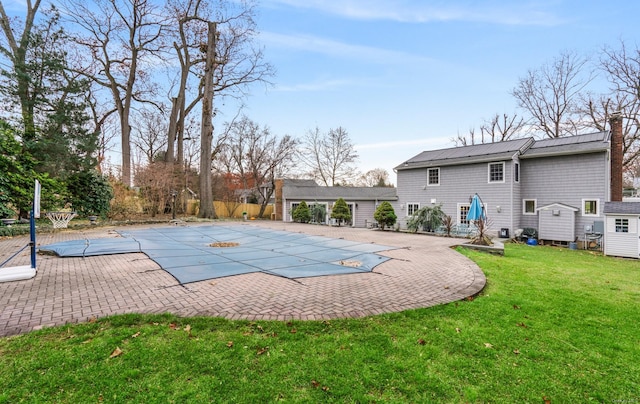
615,121
278,194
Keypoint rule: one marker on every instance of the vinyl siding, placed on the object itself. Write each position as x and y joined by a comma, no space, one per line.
621,244
557,228
457,184
568,180
362,214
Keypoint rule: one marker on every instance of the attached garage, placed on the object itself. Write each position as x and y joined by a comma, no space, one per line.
621,238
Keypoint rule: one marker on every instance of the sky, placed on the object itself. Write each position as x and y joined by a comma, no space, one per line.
404,76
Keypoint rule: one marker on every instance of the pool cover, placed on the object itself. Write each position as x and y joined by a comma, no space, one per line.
193,254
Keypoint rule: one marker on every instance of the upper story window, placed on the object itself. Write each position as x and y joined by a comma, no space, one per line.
412,208
516,172
433,176
591,207
496,172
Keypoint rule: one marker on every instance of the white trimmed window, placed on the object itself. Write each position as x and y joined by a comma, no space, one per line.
412,208
622,225
463,211
433,176
294,206
529,206
496,172
591,207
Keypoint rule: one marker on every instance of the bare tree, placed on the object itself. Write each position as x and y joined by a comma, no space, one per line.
550,95
329,156
499,128
150,135
120,36
378,177
255,157
622,68
232,64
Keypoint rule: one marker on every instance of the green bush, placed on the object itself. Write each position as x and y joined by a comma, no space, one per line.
301,213
426,218
385,215
341,211
90,192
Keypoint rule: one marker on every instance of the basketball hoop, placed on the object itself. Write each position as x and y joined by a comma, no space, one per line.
60,220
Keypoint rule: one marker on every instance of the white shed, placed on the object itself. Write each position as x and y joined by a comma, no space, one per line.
621,229
557,222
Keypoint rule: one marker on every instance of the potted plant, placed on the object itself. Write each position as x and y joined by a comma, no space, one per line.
244,216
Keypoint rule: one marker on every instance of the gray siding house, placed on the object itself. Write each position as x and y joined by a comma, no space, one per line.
522,183
362,201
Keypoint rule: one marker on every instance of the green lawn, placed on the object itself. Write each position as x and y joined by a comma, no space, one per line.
552,324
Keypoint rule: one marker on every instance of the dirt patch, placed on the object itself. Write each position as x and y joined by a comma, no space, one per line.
224,244
352,264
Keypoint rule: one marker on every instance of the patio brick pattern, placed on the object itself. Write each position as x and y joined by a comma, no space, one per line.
424,272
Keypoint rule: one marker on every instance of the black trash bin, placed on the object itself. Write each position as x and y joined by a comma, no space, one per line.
504,233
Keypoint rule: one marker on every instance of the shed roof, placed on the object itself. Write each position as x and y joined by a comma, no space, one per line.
622,208
317,193
558,205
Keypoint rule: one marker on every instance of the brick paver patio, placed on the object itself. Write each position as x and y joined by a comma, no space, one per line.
424,272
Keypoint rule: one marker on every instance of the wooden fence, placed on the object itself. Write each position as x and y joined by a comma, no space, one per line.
231,209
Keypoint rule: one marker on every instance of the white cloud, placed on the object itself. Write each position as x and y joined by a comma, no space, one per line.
413,11
330,47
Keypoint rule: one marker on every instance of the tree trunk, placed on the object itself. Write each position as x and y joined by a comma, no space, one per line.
171,136
206,136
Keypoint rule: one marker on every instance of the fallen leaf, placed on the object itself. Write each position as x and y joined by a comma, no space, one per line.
87,341
263,350
230,344
470,298
93,320
136,335
315,384
516,307
523,325
188,329
260,328
116,352
173,326
515,351
421,341
289,323
488,345
293,331
457,330
546,400
325,388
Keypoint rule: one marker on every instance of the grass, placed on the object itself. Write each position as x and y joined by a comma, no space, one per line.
552,325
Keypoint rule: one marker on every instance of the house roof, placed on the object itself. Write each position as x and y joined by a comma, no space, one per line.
467,154
622,208
500,151
579,144
317,193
